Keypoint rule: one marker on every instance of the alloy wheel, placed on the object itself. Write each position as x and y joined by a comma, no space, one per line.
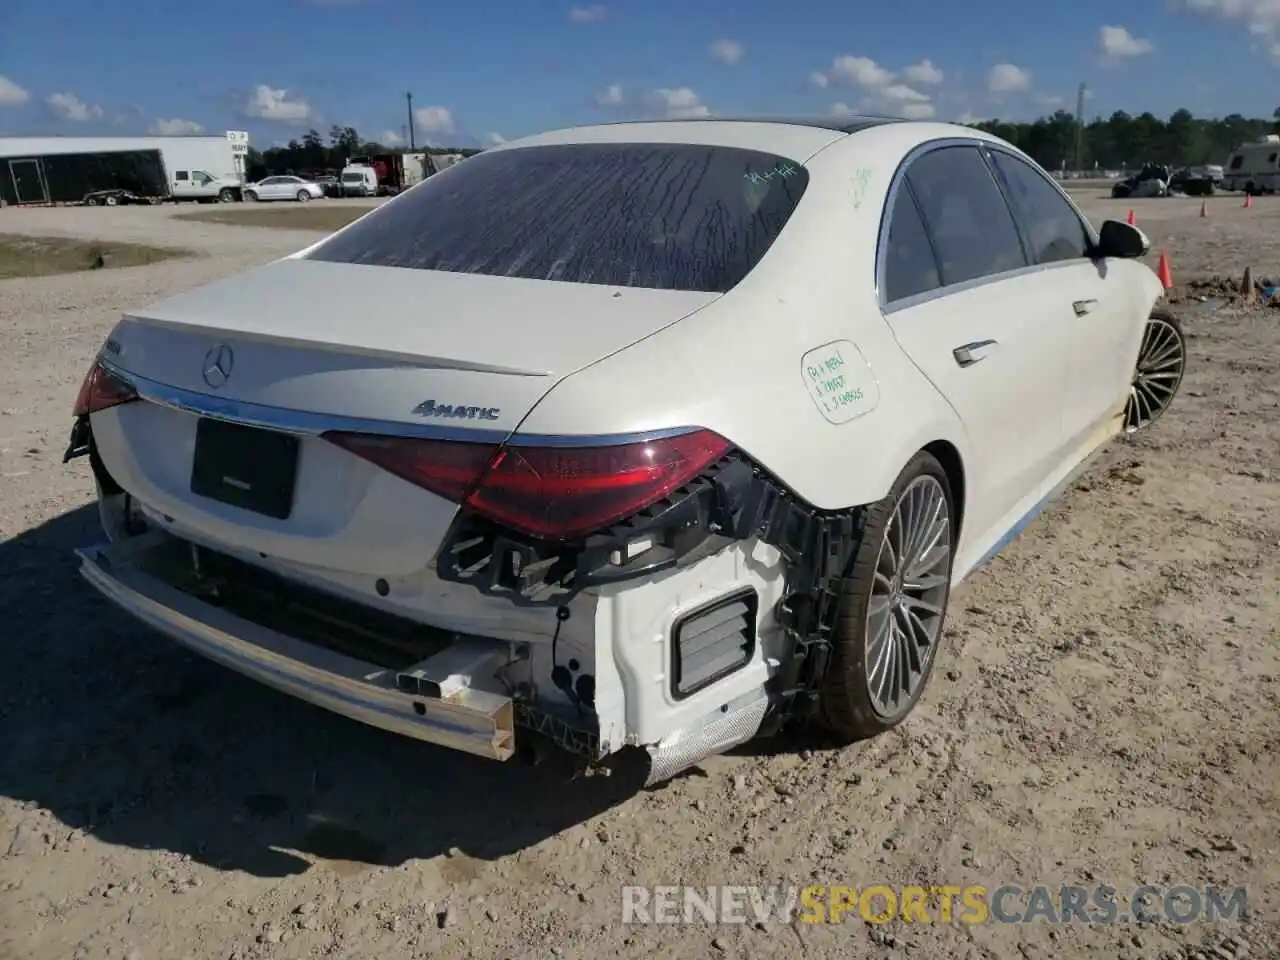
908,596
1161,361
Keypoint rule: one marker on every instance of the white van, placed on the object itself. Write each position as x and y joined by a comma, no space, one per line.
1254,167
359,181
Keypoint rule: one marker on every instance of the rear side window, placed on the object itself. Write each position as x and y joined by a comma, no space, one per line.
663,216
909,264
1053,228
966,215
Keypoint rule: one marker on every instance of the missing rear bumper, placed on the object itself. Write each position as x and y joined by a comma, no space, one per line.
467,719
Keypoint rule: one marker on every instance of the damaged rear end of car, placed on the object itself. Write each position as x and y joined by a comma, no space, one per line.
316,475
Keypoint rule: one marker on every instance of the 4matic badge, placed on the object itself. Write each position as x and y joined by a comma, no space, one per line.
429,408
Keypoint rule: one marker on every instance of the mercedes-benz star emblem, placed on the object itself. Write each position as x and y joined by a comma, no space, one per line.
217,365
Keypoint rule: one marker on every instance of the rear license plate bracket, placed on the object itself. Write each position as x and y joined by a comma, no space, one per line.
245,467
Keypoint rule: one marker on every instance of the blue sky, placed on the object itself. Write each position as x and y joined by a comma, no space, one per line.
500,69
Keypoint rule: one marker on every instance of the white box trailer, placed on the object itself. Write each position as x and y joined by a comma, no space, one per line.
36,170
1254,167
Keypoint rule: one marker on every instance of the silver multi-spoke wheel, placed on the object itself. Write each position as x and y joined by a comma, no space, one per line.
908,596
1161,361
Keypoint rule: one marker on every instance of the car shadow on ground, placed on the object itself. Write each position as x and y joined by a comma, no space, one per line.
124,735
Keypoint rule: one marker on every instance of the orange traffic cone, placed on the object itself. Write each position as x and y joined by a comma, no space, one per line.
1204,210
1163,272
1248,201
1132,220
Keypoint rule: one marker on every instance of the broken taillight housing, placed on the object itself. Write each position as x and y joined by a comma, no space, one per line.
102,389
552,493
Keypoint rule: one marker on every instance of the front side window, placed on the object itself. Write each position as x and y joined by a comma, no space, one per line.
655,215
1053,228
966,215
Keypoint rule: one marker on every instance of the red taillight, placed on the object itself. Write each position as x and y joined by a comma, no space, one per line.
554,493
443,467
561,493
102,389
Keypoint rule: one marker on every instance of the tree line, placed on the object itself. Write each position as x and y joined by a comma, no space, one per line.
1118,142
1125,141
313,154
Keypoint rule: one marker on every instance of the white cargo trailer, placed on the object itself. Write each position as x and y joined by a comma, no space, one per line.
37,170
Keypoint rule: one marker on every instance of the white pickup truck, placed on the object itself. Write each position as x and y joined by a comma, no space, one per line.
201,185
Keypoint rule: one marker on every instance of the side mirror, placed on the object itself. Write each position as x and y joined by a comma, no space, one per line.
1121,240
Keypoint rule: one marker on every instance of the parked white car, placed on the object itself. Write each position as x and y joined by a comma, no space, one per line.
653,434
283,188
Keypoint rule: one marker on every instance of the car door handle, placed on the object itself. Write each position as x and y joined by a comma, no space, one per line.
971,353
1081,307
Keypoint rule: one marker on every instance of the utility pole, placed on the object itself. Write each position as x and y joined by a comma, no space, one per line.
1080,129
409,99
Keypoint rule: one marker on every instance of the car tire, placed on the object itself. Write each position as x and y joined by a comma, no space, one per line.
226,196
303,196
251,196
862,636
1158,371
111,201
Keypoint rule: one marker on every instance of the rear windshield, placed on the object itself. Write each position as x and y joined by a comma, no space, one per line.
665,216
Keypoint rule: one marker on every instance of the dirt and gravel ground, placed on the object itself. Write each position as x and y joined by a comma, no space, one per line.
1105,710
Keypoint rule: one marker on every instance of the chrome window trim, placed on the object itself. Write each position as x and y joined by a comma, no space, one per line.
896,186
939,293
309,424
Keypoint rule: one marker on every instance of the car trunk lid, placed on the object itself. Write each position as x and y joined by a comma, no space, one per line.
303,348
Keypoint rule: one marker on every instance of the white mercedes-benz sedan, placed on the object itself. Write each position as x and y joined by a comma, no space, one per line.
656,435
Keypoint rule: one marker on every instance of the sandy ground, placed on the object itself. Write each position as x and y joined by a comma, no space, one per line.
1105,711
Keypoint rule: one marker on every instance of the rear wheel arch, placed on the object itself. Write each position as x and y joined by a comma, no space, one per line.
949,457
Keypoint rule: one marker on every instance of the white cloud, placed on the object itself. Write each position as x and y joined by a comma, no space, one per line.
901,93
679,103
859,72
1261,16
587,14
610,96
1117,43
176,127
891,99
923,72
67,106
391,138
1051,102
270,103
493,139
918,111
726,51
819,80
1007,78
434,120
12,95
